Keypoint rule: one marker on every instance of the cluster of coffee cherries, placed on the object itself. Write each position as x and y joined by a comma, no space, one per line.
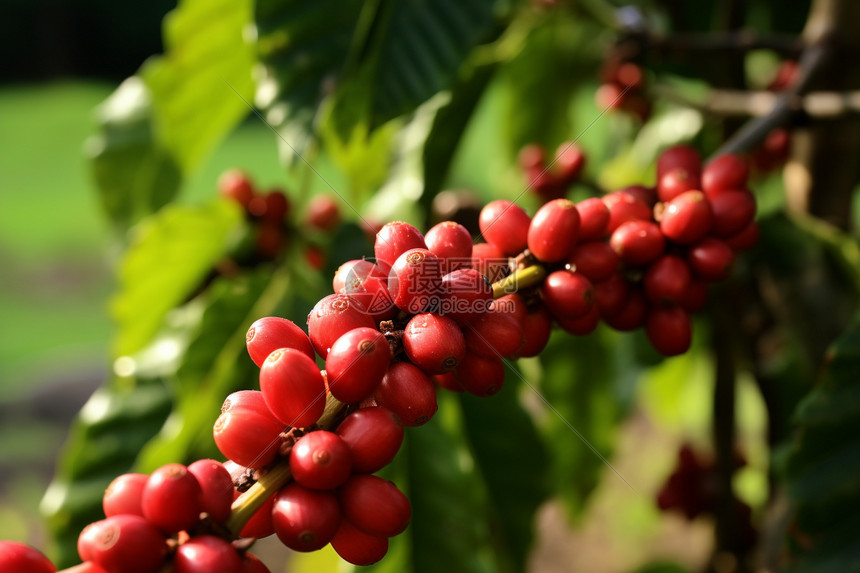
691,490
637,257
622,88
269,216
171,521
552,181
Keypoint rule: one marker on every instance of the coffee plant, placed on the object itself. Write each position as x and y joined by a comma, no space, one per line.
504,231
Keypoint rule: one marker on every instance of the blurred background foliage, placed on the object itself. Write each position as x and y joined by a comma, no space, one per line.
114,246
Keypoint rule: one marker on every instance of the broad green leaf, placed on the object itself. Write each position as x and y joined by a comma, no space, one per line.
201,87
422,46
448,532
822,464
510,457
303,47
134,173
557,51
448,128
168,259
160,124
581,383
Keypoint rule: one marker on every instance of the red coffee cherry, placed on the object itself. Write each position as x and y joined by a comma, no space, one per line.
357,547
356,364
123,544
554,230
374,505
512,304
305,519
638,242
632,314
532,156
581,325
669,330
270,333
624,207
711,259
647,195
611,296
373,295
505,225
293,387
394,239
480,375
171,498
236,185
567,294
352,274
667,280
674,182
733,211
246,431
277,206
537,328
593,219
696,296
373,435
217,488
595,260
323,213
433,343
687,218
724,173
415,281
21,558
490,261
452,243
123,495
569,162
270,241
252,564
204,554
320,460
680,156
447,381
334,316
407,392
494,334
466,296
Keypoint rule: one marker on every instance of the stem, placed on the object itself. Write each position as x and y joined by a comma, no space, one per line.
247,504
520,279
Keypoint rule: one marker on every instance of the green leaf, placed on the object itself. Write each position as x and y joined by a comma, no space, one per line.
823,462
201,87
448,532
303,47
449,125
169,258
556,57
510,457
421,48
135,174
582,384
160,124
